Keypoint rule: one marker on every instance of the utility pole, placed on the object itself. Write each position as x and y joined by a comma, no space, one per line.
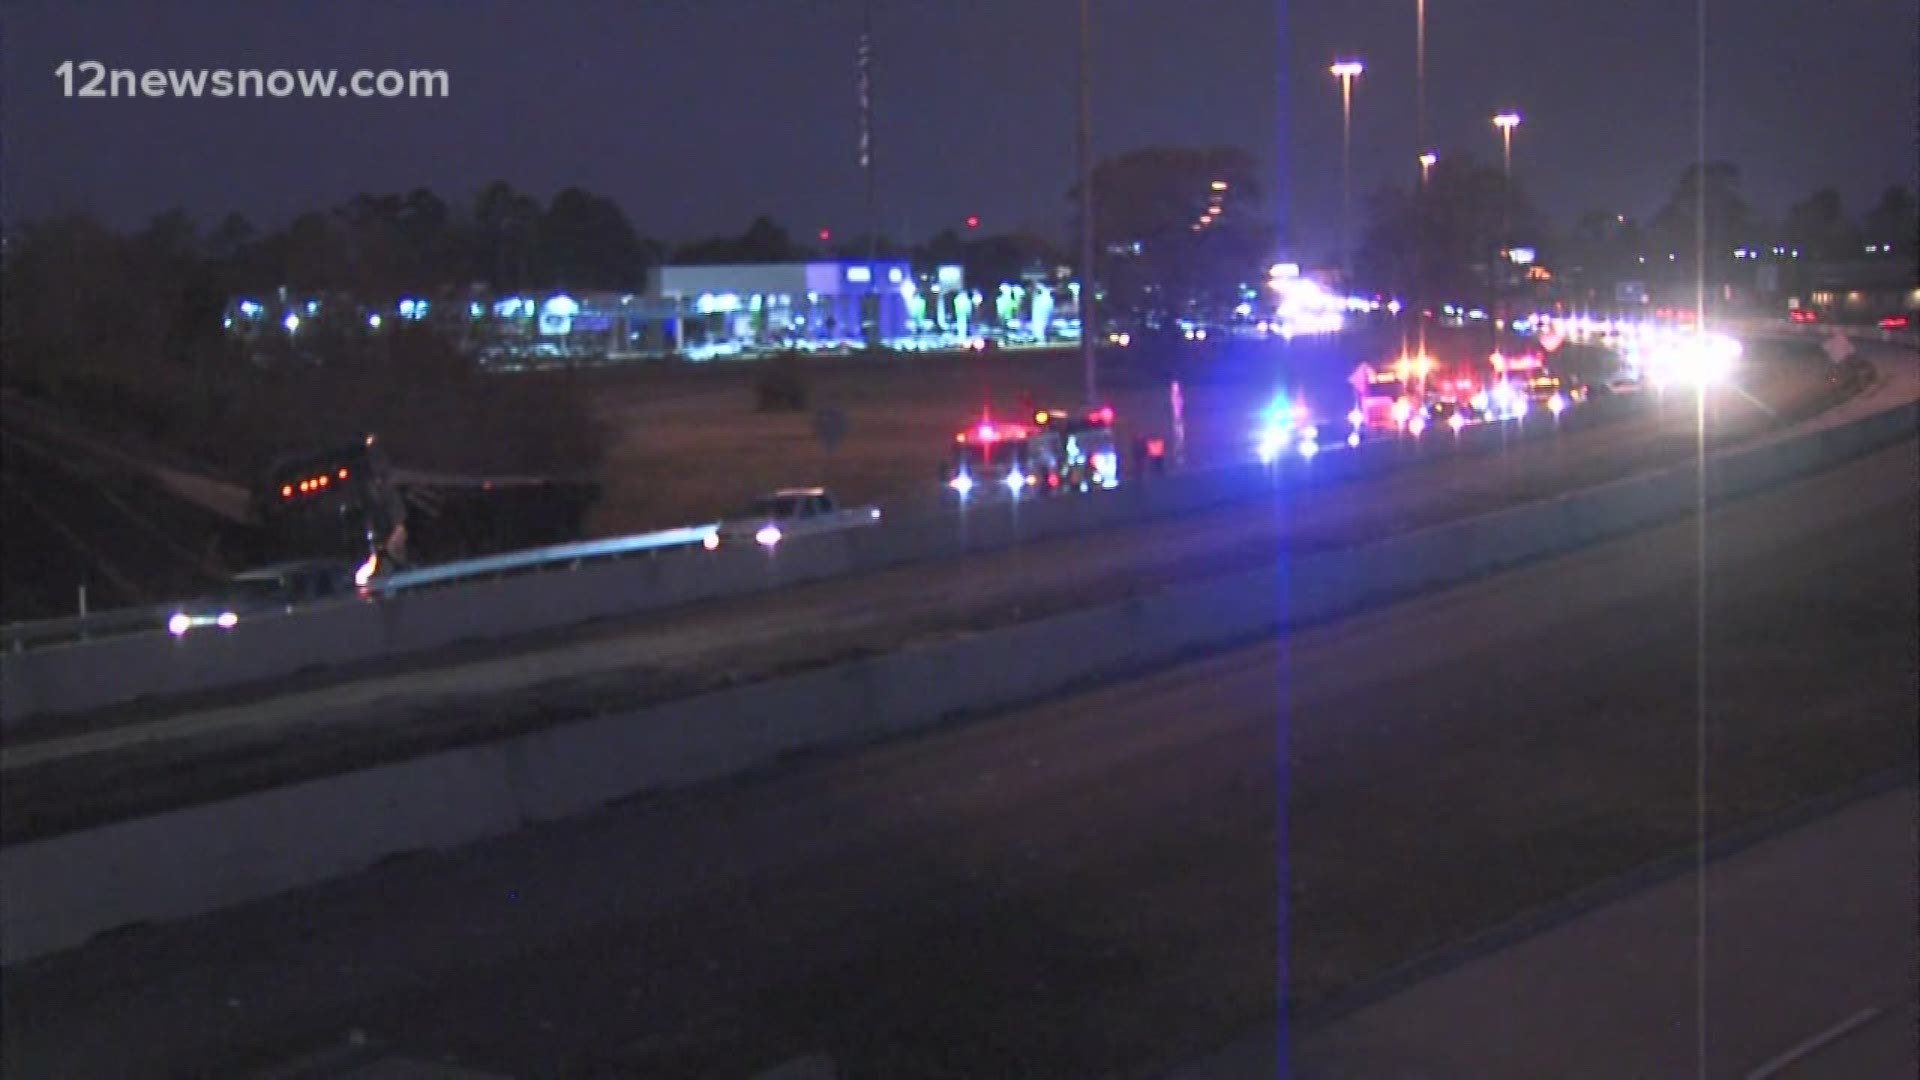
865,80
1427,159
1089,321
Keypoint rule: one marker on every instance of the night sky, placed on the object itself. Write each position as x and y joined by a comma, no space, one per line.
696,114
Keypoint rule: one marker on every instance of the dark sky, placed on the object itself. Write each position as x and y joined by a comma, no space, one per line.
697,114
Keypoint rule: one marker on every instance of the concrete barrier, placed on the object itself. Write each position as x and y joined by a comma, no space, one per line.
63,890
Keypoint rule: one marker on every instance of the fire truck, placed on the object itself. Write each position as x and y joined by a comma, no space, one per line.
1060,451
1523,382
1415,393
1393,399
352,505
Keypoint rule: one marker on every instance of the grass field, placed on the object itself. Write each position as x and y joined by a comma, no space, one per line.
686,444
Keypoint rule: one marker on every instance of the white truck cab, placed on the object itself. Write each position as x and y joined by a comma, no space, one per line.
786,513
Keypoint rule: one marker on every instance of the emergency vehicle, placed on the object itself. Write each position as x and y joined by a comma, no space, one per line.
1394,399
1058,451
1529,383
1285,425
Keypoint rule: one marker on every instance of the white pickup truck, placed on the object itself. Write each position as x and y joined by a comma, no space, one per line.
787,513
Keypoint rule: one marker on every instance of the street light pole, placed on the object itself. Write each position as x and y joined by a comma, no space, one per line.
1506,122
1420,79
1089,322
1346,71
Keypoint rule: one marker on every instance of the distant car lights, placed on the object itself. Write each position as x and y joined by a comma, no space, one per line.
1688,357
181,622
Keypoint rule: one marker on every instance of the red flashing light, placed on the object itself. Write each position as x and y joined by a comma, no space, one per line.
343,474
973,221
1156,448
1101,415
991,432
826,235
1053,480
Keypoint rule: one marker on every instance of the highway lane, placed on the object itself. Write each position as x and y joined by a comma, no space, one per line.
1090,884
1811,960
60,776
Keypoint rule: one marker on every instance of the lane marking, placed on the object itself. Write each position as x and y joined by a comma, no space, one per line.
1816,1042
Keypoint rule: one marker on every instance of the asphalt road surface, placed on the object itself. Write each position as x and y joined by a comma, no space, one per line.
139,755
1091,885
1812,955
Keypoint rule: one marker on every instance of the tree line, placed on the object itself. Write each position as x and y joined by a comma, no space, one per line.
1444,233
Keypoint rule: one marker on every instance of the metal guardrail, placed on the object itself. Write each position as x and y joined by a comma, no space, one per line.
540,558
17,637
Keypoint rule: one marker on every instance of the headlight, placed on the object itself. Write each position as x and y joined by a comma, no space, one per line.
768,535
227,620
1417,425
1309,448
1456,422
711,541
1556,404
179,624
1273,441
1016,481
962,483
